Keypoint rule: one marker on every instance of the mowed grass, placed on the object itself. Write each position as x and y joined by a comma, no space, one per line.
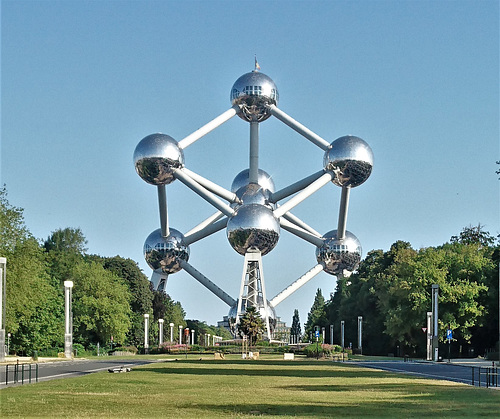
235,388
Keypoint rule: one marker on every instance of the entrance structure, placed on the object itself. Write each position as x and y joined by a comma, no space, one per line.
252,212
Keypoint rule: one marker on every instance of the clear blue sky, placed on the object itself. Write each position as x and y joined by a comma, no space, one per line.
84,81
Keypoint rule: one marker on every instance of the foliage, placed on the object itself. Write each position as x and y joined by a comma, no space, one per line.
316,316
321,350
252,325
101,306
67,240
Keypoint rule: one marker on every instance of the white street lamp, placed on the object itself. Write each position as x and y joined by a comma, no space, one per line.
146,333
3,269
68,329
171,332
180,334
160,337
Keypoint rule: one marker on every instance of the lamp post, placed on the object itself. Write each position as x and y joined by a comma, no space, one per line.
435,342
146,333
360,334
68,329
160,326
342,325
3,266
180,334
192,336
8,343
171,332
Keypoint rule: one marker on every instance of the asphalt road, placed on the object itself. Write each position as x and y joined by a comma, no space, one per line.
435,370
64,369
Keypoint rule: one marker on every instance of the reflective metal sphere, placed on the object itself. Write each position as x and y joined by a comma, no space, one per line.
156,157
271,312
338,255
252,92
242,179
165,252
351,159
253,228
254,194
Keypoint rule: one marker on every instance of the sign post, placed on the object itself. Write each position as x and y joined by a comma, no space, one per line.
449,336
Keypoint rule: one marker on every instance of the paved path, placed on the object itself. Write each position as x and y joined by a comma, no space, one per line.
467,372
65,369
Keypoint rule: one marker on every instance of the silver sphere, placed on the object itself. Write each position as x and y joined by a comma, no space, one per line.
350,159
253,228
165,252
254,194
243,178
253,92
156,157
271,312
339,255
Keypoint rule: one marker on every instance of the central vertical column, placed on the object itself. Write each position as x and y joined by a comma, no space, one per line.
253,175
252,289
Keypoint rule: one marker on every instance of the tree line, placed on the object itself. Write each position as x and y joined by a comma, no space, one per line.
110,294
392,292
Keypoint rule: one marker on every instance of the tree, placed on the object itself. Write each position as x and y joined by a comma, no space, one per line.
67,240
12,227
474,235
251,325
296,330
101,305
317,314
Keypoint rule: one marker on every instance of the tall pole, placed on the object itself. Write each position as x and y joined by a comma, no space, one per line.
171,332
360,334
435,342
342,325
160,336
429,335
331,334
146,333
180,334
68,329
3,266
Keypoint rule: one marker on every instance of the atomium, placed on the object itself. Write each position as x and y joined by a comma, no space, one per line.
253,212
164,253
339,255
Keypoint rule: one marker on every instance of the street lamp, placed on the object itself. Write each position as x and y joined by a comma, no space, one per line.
8,343
160,326
68,330
180,334
192,336
146,333
171,332
3,266
435,342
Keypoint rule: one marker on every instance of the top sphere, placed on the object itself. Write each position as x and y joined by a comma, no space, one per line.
156,157
253,92
350,159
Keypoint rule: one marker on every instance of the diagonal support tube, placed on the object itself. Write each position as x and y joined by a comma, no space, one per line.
297,126
205,232
210,126
203,280
203,192
301,233
295,187
294,286
299,223
305,193
210,220
212,187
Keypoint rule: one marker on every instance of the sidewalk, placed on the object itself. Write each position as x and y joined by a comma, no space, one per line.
473,362
10,360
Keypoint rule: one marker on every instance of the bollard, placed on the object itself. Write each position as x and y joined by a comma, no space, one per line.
22,373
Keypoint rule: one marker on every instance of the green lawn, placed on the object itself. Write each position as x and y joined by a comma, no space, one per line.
235,388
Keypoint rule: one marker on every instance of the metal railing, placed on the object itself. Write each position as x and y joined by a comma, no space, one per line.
487,375
20,373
